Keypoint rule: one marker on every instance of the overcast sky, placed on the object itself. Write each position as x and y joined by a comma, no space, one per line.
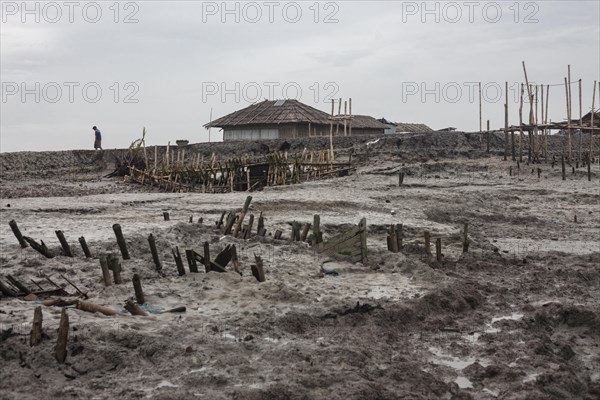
164,65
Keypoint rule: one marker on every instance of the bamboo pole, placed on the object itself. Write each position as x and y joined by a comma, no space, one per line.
580,124
568,150
506,124
331,131
350,113
569,114
480,113
546,119
591,135
521,124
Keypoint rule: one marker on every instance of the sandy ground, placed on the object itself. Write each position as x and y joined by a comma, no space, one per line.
518,317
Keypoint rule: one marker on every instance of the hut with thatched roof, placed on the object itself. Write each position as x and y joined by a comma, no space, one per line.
287,119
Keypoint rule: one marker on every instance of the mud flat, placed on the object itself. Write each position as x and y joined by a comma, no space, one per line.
516,317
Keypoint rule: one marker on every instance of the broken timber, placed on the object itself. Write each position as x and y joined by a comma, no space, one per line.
353,242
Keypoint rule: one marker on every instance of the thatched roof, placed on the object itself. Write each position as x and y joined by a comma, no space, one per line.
412,128
366,122
272,112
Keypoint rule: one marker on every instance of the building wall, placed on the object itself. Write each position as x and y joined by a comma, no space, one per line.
290,131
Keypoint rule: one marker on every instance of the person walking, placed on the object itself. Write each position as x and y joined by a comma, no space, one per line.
98,140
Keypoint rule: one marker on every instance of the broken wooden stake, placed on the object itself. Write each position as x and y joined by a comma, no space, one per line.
17,233
206,257
36,328
427,237
564,173
154,251
393,241
305,230
399,236
178,261
137,287
12,280
242,216
85,248
105,271
257,270
134,309
94,308
438,249
40,248
400,178
466,238
317,234
277,235
260,225
191,259
248,230
63,243
166,216
60,350
121,241
114,264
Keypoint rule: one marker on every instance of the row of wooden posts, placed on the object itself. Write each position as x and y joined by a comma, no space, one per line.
538,129
395,239
240,174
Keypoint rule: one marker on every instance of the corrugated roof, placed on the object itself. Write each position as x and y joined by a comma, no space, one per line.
272,112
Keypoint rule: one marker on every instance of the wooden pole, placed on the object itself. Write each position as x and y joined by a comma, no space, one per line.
591,136
506,123
567,151
191,258
427,236
121,241
242,216
350,111
564,170
521,124
393,239
466,238
114,264
154,251
137,287
134,309
63,243
317,234
570,154
399,236
19,236
178,261
105,271
580,125
257,270
84,247
438,249
36,328
207,257
60,350
331,132
480,113
487,137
